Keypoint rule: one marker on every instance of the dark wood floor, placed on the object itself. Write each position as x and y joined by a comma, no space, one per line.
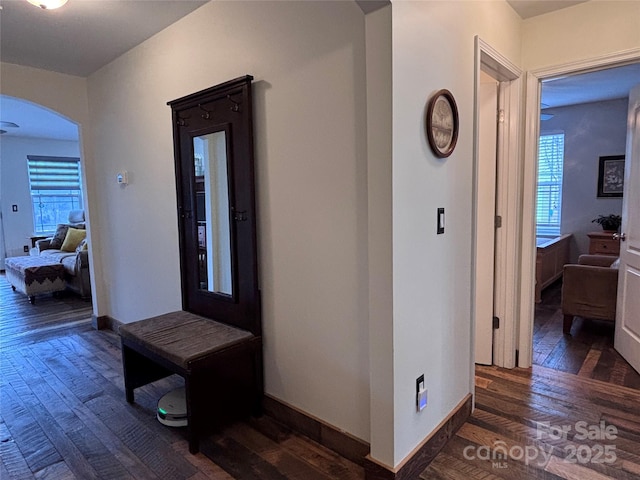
512,407
587,352
21,322
63,415
577,378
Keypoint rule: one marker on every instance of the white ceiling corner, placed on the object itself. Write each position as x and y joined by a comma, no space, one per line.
368,6
533,8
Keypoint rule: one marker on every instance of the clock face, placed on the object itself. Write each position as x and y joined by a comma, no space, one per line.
442,123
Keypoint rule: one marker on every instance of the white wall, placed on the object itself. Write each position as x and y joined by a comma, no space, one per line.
586,30
380,262
433,48
310,132
591,130
18,226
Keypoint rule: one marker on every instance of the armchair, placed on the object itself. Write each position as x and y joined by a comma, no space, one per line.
589,289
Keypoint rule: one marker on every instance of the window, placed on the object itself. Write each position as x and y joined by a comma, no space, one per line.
56,189
549,200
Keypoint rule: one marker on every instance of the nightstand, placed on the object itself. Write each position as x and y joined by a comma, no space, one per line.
603,243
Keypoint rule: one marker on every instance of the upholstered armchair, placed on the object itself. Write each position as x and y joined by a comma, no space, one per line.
589,289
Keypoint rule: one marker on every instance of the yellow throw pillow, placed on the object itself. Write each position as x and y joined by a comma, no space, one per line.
73,238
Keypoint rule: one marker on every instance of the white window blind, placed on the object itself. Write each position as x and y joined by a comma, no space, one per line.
56,189
549,199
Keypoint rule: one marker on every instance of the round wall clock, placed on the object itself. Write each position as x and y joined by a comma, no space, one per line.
442,123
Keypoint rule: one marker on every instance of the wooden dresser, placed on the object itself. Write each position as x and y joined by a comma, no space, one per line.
603,243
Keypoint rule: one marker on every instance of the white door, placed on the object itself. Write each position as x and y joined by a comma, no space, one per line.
627,337
486,211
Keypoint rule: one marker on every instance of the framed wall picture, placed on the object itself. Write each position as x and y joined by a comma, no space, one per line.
442,123
611,176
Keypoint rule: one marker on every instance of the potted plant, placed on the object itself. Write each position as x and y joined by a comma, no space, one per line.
609,223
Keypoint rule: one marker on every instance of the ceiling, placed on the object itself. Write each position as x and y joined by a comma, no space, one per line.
590,87
84,35
34,121
533,8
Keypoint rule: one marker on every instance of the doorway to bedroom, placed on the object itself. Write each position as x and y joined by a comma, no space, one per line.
583,124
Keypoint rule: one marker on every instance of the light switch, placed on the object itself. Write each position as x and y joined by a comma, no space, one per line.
440,221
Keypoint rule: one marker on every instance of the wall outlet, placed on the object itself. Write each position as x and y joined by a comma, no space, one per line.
421,394
26,249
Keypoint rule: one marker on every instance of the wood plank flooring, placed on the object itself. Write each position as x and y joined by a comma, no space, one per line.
525,410
63,413
63,416
21,322
577,378
588,352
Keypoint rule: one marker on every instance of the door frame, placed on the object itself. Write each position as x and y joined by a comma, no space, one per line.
529,175
507,199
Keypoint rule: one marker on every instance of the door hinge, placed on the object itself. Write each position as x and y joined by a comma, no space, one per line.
496,323
501,116
498,221
240,216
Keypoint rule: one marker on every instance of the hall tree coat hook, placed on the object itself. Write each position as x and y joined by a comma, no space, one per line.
236,104
207,113
181,121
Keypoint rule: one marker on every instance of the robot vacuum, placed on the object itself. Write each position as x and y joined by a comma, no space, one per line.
172,409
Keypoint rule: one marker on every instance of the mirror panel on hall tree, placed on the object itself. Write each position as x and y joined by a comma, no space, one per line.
213,213
213,143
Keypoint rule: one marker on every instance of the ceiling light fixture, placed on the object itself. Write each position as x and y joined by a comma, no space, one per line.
47,4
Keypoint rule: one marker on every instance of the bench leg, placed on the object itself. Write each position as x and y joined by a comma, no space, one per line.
258,381
191,388
127,365
138,371
194,444
566,325
128,392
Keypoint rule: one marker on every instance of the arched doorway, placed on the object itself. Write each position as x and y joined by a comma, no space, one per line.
30,212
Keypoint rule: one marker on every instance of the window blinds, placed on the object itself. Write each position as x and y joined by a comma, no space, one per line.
54,173
549,199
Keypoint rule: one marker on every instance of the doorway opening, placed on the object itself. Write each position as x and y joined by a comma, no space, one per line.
566,100
495,218
42,177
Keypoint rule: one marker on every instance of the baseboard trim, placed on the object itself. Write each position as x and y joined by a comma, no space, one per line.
339,441
415,463
105,322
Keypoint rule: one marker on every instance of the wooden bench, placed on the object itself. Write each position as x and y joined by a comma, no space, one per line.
221,366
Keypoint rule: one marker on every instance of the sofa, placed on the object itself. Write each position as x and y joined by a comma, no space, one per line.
590,289
74,260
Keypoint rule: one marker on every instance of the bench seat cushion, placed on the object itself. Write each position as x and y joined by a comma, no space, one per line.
183,337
